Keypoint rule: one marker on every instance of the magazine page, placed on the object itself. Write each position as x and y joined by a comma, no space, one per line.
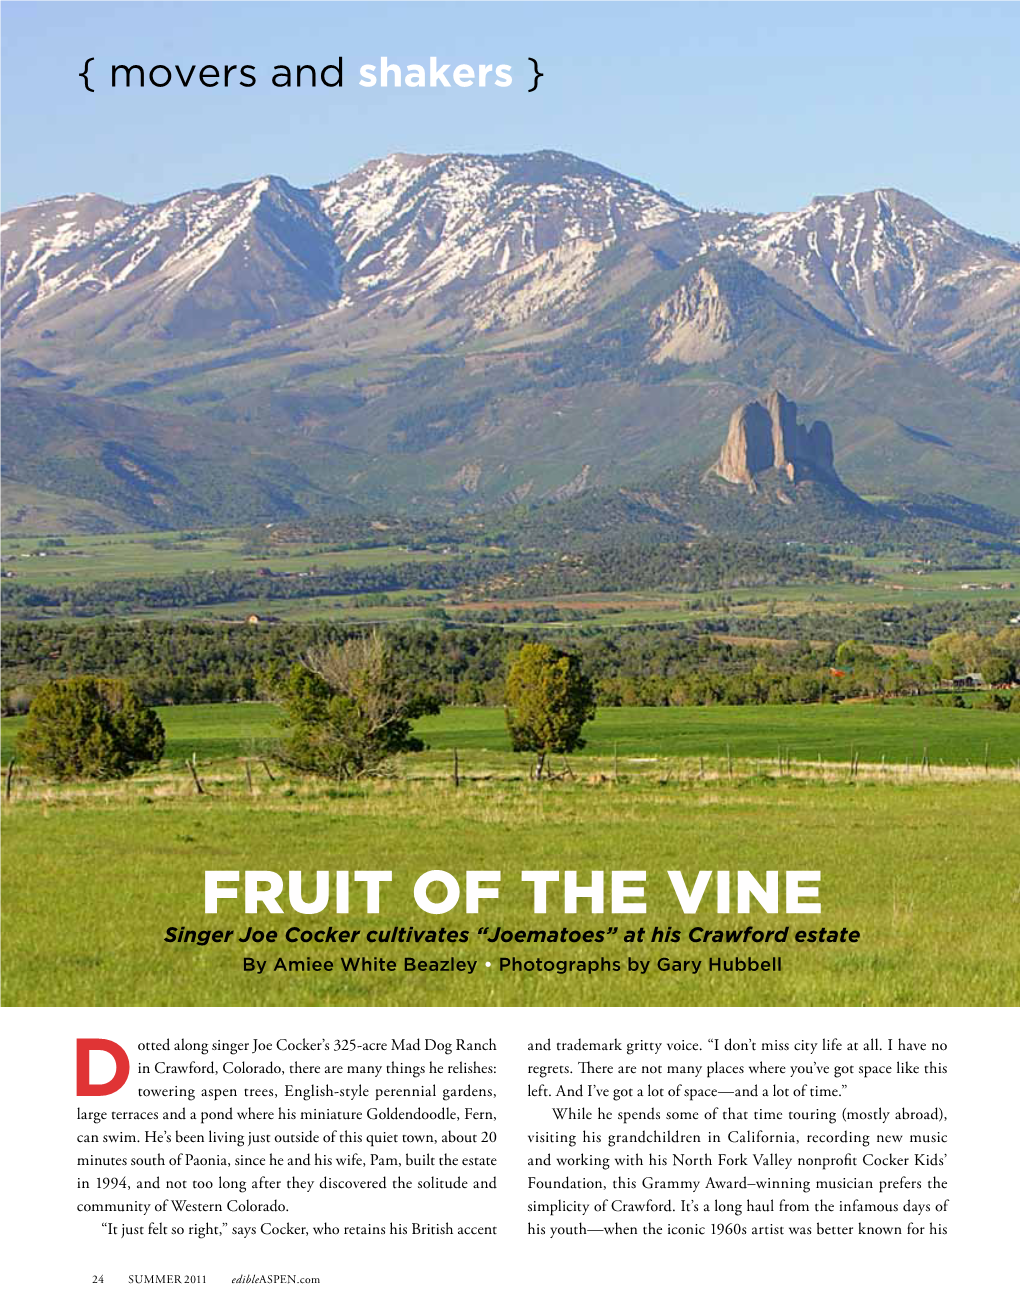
511,652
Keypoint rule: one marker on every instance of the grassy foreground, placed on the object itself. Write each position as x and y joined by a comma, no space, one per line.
926,871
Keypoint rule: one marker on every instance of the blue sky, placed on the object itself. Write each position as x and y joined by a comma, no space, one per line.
745,106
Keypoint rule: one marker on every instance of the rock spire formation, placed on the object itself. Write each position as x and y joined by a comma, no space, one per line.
765,434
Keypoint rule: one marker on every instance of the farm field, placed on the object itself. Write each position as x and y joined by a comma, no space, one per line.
897,733
925,871
164,554
403,607
85,559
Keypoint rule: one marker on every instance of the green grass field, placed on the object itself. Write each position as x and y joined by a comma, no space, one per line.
926,872
105,558
925,867
897,733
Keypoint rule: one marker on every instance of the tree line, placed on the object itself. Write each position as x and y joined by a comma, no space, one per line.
198,663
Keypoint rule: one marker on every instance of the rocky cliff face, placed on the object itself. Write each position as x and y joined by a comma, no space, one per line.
765,434
696,323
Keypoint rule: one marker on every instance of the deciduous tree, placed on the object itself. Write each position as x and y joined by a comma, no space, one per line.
347,708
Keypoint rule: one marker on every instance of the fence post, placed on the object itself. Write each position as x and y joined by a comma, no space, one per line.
10,778
266,767
616,761
194,776
247,773
456,768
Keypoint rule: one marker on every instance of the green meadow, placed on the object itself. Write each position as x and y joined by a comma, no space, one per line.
926,872
896,733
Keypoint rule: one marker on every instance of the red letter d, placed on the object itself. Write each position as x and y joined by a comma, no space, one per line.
86,1087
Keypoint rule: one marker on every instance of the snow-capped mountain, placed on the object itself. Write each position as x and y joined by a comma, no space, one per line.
891,267
264,254
410,225
488,242
490,328
245,257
